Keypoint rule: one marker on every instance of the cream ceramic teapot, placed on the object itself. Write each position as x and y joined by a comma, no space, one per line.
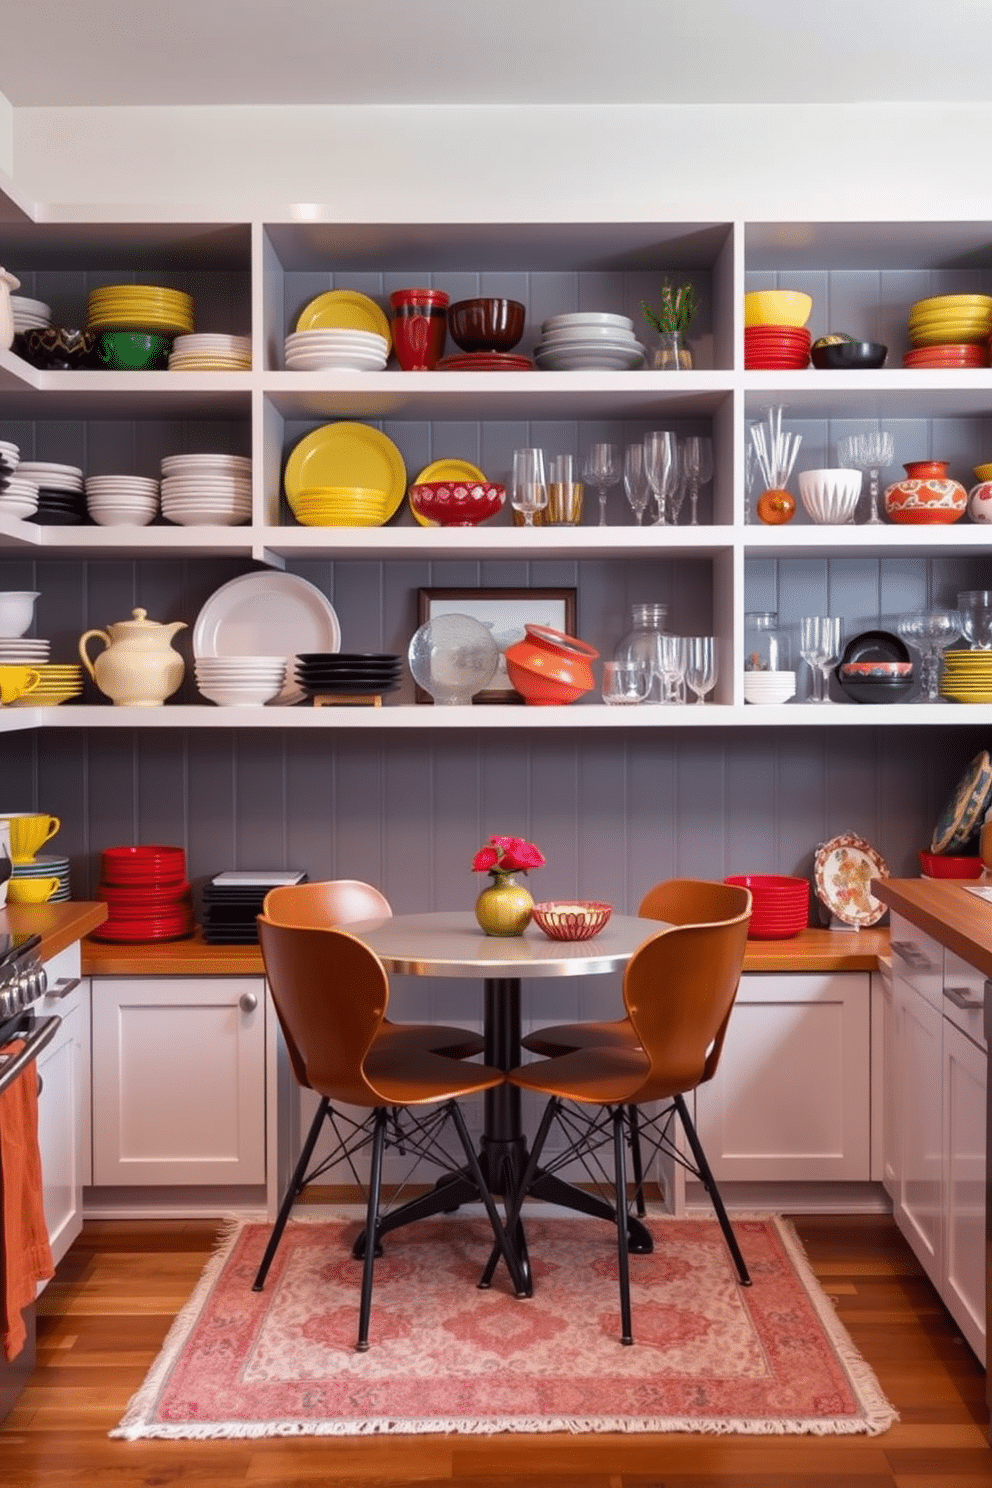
138,667
7,283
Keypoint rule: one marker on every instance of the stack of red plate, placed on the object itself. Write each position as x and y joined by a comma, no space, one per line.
486,361
776,348
147,894
780,907
948,354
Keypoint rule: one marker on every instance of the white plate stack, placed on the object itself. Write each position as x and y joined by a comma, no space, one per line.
343,350
61,497
763,688
206,490
29,315
240,681
122,500
203,352
19,497
29,651
589,339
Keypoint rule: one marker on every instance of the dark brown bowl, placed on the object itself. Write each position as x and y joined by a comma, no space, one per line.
486,324
56,348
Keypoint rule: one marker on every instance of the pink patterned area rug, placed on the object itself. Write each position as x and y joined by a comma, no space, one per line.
709,1355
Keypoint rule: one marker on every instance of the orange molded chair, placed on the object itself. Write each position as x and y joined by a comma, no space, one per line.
673,1045
679,901
410,1094
342,901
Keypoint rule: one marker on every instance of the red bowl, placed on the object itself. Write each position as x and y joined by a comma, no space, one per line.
936,865
457,503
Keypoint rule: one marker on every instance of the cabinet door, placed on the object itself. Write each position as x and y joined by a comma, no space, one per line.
918,1199
178,1081
885,1083
790,1099
63,1126
964,1184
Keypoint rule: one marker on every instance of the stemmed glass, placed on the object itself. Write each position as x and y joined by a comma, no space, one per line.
661,461
528,488
931,632
871,453
819,645
602,469
636,485
697,460
700,669
670,666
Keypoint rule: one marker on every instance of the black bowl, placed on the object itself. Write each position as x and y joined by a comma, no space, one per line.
848,356
875,645
875,690
57,348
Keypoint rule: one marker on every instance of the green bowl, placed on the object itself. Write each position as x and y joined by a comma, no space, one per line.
131,351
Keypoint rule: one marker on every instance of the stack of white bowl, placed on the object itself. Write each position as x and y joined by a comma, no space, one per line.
769,687
19,497
122,500
17,616
29,315
240,681
10,455
343,349
203,352
830,496
589,339
60,488
206,490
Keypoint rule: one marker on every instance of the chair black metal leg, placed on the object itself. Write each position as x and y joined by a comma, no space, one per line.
371,1218
503,1242
709,1183
515,1202
635,1161
619,1139
293,1190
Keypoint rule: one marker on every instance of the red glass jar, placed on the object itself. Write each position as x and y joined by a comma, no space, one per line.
420,327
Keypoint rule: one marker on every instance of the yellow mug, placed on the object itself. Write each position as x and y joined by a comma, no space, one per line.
28,833
15,681
31,890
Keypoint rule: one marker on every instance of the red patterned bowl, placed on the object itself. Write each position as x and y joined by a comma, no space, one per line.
457,503
580,920
936,865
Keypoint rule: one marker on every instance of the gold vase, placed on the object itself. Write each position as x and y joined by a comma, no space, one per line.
504,908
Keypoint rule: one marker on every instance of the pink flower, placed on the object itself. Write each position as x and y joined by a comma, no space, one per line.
507,855
485,858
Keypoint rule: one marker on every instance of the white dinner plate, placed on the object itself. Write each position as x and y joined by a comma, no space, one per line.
580,357
258,614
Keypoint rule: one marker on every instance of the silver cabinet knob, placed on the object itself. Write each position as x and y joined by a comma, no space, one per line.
247,1002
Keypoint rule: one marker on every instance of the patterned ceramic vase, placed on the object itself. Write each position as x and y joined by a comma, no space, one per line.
505,908
980,502
926,495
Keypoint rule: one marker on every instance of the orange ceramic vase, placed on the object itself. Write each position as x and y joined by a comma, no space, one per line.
549,667
927,495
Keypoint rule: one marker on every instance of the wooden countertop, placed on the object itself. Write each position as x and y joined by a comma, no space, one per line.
813,950
944,909
59,925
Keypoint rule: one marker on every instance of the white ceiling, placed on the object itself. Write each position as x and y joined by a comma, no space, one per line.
278,52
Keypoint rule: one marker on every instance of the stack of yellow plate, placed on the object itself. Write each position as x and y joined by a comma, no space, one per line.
948,319
140,307
340,506
967,676
57,685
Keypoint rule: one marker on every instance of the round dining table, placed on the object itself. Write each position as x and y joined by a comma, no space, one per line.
449,943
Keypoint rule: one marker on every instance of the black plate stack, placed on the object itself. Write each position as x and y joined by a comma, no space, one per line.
231,901
875,645
345,674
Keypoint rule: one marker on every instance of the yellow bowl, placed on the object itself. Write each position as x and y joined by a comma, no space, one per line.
777,307
983,472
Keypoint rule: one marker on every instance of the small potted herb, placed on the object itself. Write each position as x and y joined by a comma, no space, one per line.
672,319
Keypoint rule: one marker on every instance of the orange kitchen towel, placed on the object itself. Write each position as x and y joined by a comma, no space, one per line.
25,1254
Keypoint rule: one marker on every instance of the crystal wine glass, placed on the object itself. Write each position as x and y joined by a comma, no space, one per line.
670,666
602,468
819,645
661,463
636,485
931,632
700,669
871,453
697,458
528,488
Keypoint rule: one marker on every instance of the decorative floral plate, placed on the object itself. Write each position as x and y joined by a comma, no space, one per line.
962,816
843,870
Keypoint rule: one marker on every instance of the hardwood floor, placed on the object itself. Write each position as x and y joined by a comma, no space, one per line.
104,1317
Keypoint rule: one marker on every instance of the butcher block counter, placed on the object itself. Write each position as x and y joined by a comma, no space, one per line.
945,909
59,925
813,950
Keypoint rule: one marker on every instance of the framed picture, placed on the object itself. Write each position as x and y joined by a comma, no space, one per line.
505,612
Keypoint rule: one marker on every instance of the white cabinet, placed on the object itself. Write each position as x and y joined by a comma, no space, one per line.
964,1184
64,1101
178,1081
791,1096
917,1202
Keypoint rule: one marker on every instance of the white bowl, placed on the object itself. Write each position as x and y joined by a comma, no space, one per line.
769,687
16,612
241,694
830,496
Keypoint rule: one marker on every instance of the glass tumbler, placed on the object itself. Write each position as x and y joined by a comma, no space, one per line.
564,493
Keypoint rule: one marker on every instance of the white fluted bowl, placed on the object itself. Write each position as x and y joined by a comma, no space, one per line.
830,496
